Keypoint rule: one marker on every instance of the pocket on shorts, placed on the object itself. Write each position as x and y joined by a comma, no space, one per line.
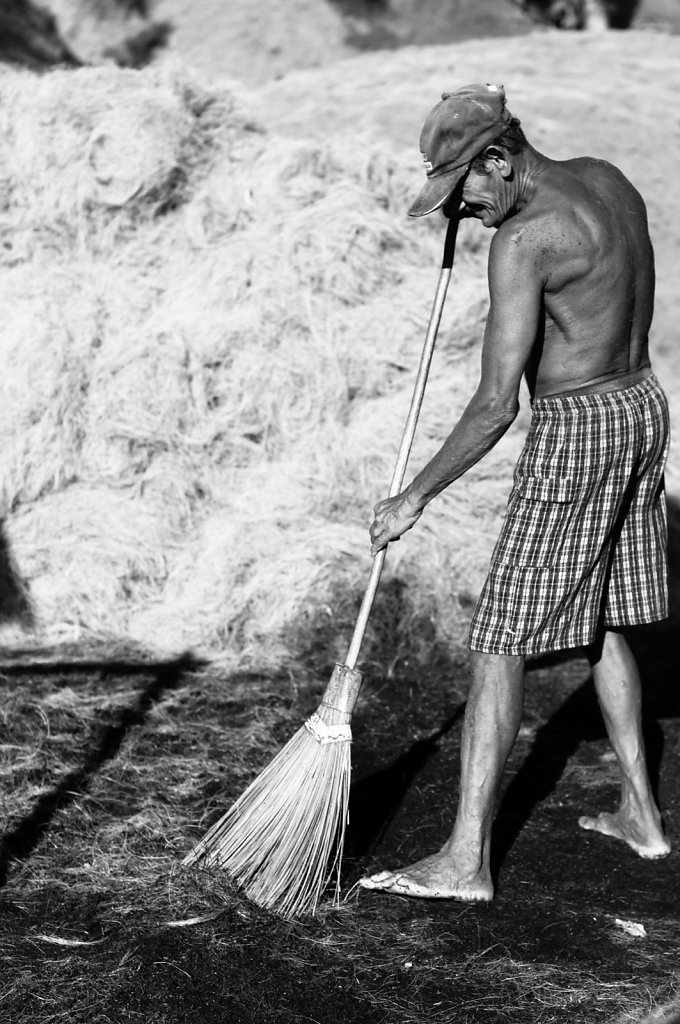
546,488
537,522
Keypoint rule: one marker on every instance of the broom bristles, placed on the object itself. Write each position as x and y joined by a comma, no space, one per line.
282,840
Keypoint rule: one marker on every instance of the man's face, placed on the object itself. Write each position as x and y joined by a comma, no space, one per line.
485,196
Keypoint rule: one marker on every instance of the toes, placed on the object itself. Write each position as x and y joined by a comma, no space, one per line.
398,883
602,823
381,880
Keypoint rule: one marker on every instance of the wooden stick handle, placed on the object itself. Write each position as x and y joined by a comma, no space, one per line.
408,435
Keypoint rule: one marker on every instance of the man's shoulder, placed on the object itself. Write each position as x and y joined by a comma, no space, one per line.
587,164
521,233
592,181
517,249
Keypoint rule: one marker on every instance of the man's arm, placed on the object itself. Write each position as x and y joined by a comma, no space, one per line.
516,291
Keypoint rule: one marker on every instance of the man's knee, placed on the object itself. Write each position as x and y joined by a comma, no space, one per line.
501,667
609,641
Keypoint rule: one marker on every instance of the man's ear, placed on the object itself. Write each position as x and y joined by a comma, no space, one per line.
498,158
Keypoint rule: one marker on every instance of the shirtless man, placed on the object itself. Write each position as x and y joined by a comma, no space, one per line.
582,552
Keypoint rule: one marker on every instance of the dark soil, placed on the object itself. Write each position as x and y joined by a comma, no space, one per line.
153,943
111,770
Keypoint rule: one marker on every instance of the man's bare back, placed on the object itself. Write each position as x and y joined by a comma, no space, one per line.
586,225
571,289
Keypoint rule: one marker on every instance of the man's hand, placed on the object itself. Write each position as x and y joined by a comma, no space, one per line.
393,517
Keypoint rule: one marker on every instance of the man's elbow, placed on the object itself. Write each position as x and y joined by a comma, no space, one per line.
499,412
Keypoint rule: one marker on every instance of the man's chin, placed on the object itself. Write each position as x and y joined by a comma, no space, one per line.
488,218
450,210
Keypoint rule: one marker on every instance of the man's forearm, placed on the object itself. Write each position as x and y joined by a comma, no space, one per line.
478,430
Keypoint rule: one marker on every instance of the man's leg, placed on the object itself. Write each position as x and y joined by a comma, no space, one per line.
617,683
461,870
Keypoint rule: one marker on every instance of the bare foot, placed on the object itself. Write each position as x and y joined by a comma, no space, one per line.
649,842
433,877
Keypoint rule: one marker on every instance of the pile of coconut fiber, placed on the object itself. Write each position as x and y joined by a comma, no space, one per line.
209,339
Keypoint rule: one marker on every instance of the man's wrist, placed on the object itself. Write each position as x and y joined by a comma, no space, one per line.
415,501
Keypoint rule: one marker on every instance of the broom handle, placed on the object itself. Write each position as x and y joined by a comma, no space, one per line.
408,435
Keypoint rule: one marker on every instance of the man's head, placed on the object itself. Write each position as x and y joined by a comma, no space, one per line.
459,130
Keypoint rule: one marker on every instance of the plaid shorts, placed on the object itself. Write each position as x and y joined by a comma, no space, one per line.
583,545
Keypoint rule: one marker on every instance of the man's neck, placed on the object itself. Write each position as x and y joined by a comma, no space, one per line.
529,169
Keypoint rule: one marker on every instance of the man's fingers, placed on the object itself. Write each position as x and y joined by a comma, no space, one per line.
378,528
378,545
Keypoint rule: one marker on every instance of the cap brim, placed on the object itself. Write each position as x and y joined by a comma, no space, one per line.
436,191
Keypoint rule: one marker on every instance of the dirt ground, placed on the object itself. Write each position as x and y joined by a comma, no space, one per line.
98,924
563,940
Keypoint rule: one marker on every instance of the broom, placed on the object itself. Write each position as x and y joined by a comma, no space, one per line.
282,840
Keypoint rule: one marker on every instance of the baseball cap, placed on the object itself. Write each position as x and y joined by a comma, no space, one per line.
456,130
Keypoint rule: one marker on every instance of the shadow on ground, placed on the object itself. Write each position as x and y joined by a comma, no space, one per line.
159,678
